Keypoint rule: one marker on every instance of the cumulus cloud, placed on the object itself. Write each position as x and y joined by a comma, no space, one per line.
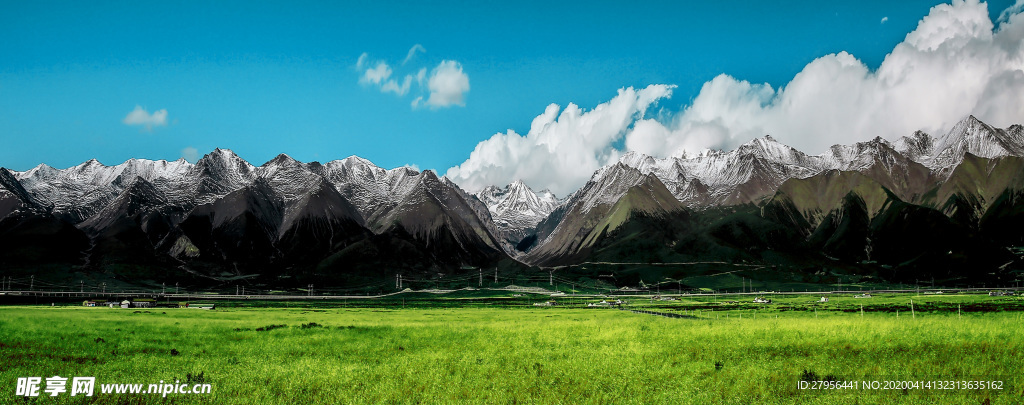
448,85
563,147
884,19
190,154
955,63
412,52
139,116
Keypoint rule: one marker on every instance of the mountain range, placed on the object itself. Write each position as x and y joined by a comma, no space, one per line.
918,207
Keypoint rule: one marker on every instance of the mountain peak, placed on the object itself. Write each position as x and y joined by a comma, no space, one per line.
282,160
356,160
518,184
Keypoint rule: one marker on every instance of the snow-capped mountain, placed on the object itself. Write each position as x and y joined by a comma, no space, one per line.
223,215
516,209
977,138
80,191
753,171
612,196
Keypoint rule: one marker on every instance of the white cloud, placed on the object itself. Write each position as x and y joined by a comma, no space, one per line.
380,75
953,64
563,147
421,76
376,75
190,154
412,52
394,87
448,85
139,116
362,61
884,19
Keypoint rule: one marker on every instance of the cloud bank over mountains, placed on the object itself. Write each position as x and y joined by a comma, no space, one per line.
956,62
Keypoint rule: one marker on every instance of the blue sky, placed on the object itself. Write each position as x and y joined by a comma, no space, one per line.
265,78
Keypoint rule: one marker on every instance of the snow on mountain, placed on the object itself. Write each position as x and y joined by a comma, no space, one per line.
756,169
374,191
217,174
613,194
382,198
917,147
745,174
80,191
517,209
977,138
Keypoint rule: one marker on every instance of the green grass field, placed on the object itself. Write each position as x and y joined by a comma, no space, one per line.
521,355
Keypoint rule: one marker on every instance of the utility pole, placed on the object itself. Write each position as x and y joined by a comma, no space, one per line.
175,287
311,290
104,288
551,278
495,275
236,289
81,285
32,283
396,281
163,288
481,282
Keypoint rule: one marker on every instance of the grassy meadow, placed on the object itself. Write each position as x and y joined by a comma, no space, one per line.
338,355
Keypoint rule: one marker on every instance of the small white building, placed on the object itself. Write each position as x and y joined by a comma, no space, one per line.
823,299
